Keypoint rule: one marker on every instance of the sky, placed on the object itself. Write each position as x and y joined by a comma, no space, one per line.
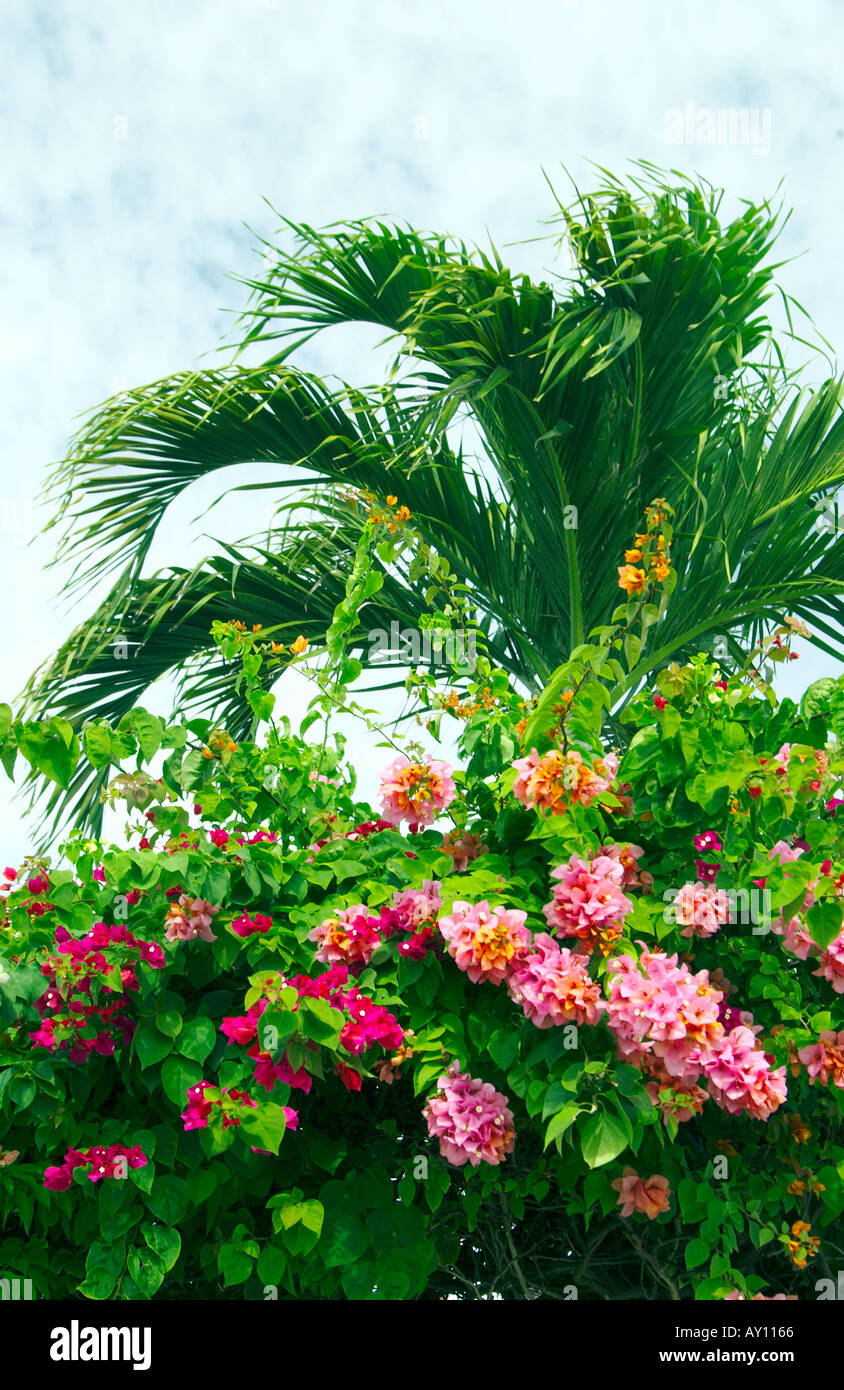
141,143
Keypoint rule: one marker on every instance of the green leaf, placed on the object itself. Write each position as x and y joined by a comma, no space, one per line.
321,1022
234,1265
146,1269
197,1039
169,1022
265,1126
561,1122
824,921
168,1200
150,1045
262,703
696,1253
178,1074
603,1137
164,1241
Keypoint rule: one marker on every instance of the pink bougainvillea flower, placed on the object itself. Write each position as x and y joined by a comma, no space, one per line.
831,961
588,902
553,985
351,935
627,856
824,1060
416,906
784,852
484,941
470,1119
656,1005
189,918
463,849
560,779
649,1195
741,1078
701,909
415,792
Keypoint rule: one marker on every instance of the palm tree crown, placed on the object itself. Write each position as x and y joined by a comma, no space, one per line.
647,371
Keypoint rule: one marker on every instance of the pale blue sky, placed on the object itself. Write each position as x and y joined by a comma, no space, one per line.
137,139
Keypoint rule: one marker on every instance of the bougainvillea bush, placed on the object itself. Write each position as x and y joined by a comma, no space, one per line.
565,1021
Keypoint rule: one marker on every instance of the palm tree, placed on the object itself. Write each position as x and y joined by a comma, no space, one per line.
648,370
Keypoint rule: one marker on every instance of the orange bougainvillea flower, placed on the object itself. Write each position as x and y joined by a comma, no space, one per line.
633,556
661,569
631,579
650,1195
403,514
391,500
299,646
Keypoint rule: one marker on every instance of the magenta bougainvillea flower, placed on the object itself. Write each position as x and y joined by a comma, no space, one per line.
111,1162
709,841
83,1009
245,926
204,1097
470,1119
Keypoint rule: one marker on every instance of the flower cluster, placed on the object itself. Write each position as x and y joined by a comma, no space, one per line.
367,1024
647,560
189,918
658,1008
205,1097
470,1119
650,1195
485,941
802,1246
463,848
82,1010
588,902
352,935
824,1060
245,926
701,910
553,985
415,792
112,1162
559,779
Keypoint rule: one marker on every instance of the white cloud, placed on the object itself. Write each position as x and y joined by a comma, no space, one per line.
115,250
